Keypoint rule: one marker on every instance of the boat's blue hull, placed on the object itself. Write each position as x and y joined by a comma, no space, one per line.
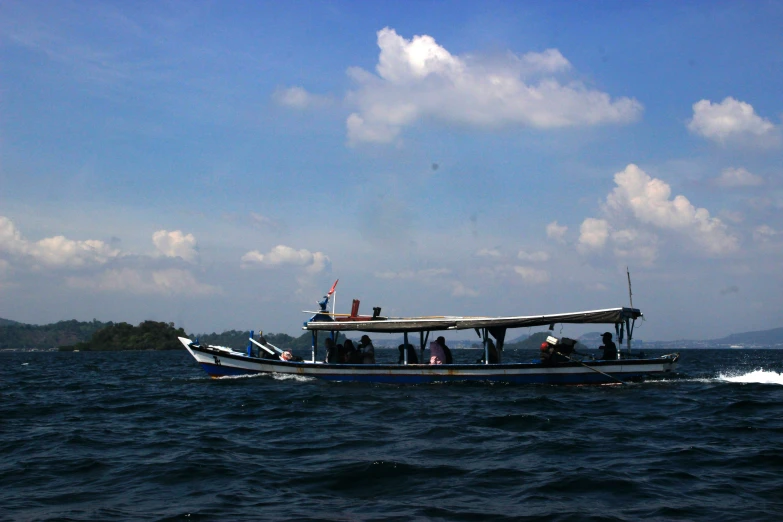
541,378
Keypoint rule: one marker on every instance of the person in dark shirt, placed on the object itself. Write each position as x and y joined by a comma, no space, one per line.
609,348
412,357
331,351
493,353
350,353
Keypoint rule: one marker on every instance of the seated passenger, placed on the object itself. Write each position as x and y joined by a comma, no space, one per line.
367,350
331,351
288,356
493,353
548,353
446,350
350,353
412,358
609,348
437,354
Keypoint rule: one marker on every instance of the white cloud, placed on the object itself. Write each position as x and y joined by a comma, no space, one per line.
536,257
648,199
160,282
733,216
176,244
425,274
460,290
299,98
265,222
556,232
636,245
433,276
57,251
764,234
531,275
639,207
488,252
91,257
730,120
282,255
418,78
738,177
593,233
10,237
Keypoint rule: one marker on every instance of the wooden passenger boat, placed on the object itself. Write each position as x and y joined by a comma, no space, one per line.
263,357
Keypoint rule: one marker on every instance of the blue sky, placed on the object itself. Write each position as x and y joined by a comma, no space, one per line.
220,164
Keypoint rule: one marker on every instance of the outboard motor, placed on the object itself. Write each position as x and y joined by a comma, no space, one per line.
555,350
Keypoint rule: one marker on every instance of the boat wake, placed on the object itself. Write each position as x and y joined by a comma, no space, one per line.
759,376
243,376
291,377
275,376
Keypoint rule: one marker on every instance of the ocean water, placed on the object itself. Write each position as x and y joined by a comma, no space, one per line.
148,436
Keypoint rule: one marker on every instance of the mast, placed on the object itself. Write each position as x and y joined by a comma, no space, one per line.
628,327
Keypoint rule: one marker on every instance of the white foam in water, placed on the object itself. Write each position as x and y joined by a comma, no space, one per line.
276,376
759,376
242,376
291,376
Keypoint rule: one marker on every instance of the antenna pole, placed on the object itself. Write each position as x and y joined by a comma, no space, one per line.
628,326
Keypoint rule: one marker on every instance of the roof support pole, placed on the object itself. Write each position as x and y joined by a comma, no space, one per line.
486,346
315,344
422,343
405,348
619,328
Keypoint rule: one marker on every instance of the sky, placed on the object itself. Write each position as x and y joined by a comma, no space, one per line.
221,164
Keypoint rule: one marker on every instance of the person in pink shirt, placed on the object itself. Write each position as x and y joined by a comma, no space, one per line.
437,355
439,352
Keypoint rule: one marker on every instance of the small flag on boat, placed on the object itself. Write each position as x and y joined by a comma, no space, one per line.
331,291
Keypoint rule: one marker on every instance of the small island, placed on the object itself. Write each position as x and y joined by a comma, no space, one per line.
148,335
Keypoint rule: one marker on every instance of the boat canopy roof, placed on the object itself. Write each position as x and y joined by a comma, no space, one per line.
426,324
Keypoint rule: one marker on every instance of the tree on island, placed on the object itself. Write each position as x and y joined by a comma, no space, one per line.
148,335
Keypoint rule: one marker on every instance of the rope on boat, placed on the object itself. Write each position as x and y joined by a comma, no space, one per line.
594,369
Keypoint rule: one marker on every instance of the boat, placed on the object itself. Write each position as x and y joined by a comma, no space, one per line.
564,367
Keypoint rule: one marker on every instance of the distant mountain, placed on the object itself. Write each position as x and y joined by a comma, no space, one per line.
47,336
7,322
534,342
761,337
531,341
